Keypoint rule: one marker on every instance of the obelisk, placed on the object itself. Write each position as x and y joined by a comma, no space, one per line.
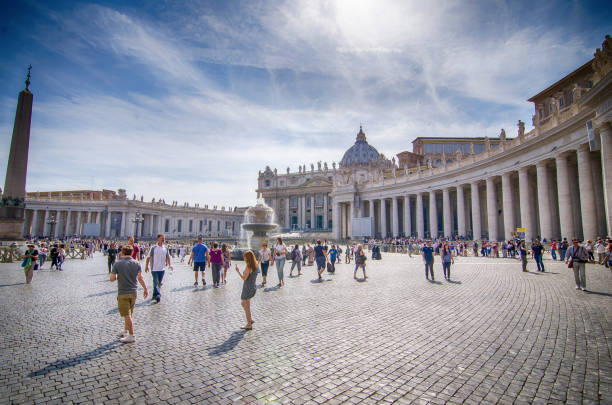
12,204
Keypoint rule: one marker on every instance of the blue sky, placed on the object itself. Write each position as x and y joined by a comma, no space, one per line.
188,100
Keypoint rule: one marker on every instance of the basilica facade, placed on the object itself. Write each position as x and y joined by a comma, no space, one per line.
551,182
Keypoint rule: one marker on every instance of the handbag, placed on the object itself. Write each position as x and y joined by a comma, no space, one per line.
570,264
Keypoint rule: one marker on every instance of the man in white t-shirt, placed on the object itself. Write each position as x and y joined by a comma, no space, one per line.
158,258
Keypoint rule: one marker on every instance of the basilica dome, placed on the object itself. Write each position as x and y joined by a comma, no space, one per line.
361,153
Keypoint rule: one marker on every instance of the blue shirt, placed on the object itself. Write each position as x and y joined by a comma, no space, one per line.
319,251
428,252
333,253
199,253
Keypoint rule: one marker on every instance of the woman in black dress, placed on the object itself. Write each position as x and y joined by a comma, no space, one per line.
248,288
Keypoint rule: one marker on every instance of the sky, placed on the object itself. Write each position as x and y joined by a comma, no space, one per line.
188,100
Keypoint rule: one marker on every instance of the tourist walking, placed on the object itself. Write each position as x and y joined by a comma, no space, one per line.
577,256
54,254
279,258
199,256
158,259
42,255
304,255
563,246
249,276
600,249
333,256
227,262
264,259
537,250
447,259
127,272
320,258
311,255
29,262
61,256
135,248
216,263
296,260
111,255
428,259
360,261
523,255
553,250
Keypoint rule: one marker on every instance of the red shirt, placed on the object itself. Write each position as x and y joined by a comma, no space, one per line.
216,256
135,251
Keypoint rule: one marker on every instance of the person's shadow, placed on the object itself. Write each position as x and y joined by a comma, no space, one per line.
454,282
228,345
598,293
268,289
434,281
76,360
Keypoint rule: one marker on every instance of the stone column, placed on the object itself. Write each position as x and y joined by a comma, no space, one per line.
45,231
57,226
461,230
605,132
123,222
476,223
433,215
383,218
544,201
288,212
77,231
565,201
491,209
325,209
68,223
446,212
525,197
407,217
508,205
587,194
394,217
336,225
420,224
34,228
107,226
303,212
312,212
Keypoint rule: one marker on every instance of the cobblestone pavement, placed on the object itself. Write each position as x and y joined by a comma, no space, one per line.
492,335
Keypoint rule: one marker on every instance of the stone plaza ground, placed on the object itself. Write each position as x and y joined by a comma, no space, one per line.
491,335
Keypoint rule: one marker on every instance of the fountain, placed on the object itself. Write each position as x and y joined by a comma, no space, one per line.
258,221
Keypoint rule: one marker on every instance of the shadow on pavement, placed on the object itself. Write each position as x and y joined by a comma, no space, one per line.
101,294
434,282
268,289
228,345
10,285
116,310
76,360
454,282
598,293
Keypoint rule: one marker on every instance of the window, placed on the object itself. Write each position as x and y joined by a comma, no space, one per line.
267,183
319,200
541,113
329,200
561,102
308,202
167,225
550,108
201,223
218,226
179,225
209,225
428,148
282,184
319,222
294,202
191,225
570,96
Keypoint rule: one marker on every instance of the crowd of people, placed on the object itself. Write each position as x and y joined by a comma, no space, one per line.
124,261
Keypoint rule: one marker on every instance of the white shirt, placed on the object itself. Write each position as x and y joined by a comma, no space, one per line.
279,250
158,256
265,255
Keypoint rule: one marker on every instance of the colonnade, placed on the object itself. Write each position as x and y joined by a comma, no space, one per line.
303,204
568,195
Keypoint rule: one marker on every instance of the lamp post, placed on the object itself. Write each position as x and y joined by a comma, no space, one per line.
52,221
138,219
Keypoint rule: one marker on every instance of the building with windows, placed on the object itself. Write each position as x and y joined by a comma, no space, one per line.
554,181
110,214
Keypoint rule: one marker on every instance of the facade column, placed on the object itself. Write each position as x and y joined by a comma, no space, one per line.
122,229
303,212
508,205
446,212
476,223
312,212
288,212
491,209
56,228
325,209
605,132
78,223
433,215
45,223
587,194
407,217
107,225
525,197
68,223
336,226
461,230
565,201
383,218
394,217
544,202
420,224
34,227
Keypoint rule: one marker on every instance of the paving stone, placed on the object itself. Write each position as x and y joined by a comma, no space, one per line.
493,335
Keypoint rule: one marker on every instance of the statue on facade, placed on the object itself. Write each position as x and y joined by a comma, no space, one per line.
334,165
521,129
312,167
459,155
300,169
502,135
141,197
472,148
275,172
319,165
393,161
287,169
325,166
487,144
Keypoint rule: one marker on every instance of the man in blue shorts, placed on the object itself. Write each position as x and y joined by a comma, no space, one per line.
199,256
